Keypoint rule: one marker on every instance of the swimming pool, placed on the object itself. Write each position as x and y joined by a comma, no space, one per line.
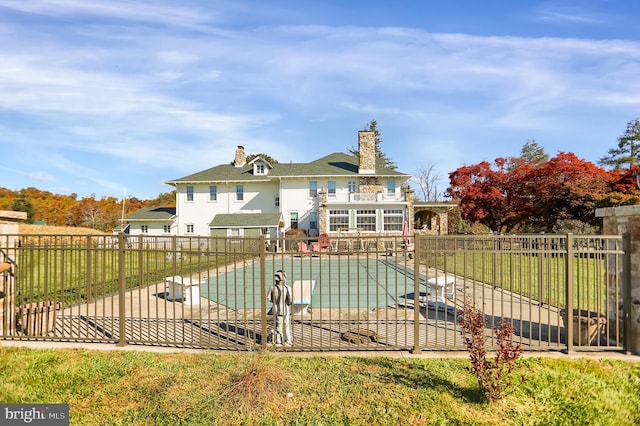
339,282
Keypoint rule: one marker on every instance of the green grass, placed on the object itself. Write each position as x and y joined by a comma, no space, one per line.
145,388
540,277
76,274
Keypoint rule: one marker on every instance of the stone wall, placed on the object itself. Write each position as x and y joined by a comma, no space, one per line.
618,221
8,242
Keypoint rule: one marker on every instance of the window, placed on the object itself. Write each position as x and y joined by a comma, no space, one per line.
313,220
391,187
277,201
190,228
144,229
352,185
392,220
234,232
259,169
331,188
366,220
313,188
293,216
189,193
167,229
338,219
213,193
239,192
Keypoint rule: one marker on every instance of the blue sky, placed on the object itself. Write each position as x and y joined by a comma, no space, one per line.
101,95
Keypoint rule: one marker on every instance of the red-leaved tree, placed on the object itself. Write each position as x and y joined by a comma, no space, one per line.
513,194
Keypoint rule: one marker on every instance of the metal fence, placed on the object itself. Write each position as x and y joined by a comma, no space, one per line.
356,293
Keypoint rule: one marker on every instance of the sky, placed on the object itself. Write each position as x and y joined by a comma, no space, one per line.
114,97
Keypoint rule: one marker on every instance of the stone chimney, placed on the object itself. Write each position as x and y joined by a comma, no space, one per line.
241,157
367,147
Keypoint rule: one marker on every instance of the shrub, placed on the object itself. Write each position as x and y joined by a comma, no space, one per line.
574,226
258,385
494,376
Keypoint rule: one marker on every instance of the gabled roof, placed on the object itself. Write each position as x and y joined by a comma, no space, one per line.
152,214
121,228
336,164
246,220
261,160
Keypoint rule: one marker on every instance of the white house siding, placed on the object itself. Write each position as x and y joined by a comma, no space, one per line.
259,197
294,197
153,228
289,183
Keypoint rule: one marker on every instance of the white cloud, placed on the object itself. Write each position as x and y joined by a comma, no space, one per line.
177,87
557,12
140,10
42,176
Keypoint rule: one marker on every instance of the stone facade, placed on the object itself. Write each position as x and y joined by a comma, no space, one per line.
432,218
322,210
370,185
619,221
8,242
367,147
241,157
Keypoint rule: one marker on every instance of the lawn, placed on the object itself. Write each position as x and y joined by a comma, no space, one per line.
203,388
540,277
81,268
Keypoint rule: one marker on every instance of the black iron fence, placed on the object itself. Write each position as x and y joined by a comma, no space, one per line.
352,293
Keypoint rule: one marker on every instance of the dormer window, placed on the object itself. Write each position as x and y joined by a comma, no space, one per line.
260,166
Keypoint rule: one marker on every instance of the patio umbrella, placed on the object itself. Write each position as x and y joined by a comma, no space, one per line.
405,231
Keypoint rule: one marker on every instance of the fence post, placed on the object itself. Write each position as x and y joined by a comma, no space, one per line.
88,270
568,313
417,256
263,293
626,293
122,277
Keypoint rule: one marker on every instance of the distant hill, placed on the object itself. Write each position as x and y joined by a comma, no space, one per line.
102,214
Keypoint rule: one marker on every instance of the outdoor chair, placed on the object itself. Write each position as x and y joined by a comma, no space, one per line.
303,248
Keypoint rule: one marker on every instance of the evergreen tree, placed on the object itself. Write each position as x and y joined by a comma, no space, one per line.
23,204
265,157
531,152
373,127
628,149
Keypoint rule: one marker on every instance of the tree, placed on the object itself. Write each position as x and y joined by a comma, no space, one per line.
628,150
166,199
531,152
483,192
373,127
265,157
567,187
623,189
23,204
509,196
427,181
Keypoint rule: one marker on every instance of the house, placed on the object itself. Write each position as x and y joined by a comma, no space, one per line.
334,194
150,221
